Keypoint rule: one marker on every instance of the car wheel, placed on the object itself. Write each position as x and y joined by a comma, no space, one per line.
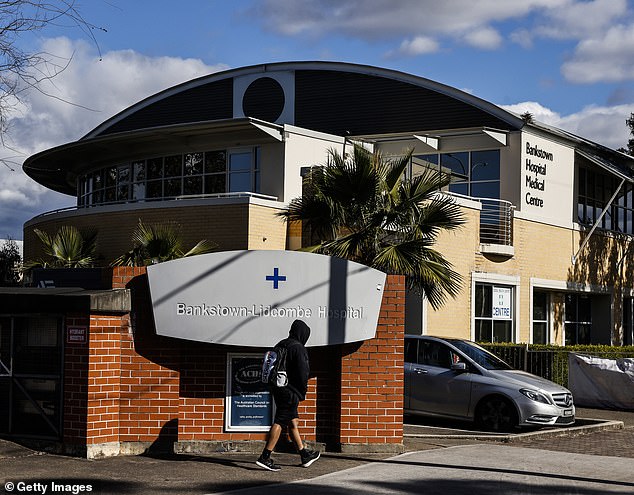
496,414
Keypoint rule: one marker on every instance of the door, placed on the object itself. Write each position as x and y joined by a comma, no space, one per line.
434,387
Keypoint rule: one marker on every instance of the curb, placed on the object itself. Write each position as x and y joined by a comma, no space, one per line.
601,425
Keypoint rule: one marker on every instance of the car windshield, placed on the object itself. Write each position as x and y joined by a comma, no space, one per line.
481,356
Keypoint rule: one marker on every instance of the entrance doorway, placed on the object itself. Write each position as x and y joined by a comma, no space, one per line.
31,350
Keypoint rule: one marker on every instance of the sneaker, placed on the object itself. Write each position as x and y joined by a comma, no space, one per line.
309,457
267,464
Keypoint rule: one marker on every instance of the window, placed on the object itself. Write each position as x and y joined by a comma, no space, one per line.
541,311
493,313
595,189
188,174
578,319
474,173
429,353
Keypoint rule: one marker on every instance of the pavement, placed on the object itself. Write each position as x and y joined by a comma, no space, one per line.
594,457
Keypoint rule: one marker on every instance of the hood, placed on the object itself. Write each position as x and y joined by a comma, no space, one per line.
522,378
299,331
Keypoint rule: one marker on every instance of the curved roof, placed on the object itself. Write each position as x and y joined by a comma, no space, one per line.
331,97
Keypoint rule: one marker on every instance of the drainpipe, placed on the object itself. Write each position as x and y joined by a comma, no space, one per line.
596,224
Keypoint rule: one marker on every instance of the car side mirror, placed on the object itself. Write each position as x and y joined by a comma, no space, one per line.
459,367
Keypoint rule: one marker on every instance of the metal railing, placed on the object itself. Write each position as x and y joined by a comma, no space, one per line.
496,220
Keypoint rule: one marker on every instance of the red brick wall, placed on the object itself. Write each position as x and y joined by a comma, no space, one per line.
372,378
132,386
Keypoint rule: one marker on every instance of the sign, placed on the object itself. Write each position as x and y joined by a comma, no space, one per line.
546,180
502,303
251,298
249,404
76,335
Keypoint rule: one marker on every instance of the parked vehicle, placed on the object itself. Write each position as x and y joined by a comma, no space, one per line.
455,378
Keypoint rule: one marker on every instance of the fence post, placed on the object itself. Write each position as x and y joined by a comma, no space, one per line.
526,357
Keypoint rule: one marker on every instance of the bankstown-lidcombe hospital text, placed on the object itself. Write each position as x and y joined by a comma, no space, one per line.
265,311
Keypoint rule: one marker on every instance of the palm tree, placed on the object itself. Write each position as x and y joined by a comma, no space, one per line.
363,209
67,248
158,243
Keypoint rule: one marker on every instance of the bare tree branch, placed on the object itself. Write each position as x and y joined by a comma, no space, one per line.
22,70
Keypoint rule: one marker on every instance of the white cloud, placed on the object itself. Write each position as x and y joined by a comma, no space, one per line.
375,19
420,45
608,58
579,20
485,38
602,124
104,86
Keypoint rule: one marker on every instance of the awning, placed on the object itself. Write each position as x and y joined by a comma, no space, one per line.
57,168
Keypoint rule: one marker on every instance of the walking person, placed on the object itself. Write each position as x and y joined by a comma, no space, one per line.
288,398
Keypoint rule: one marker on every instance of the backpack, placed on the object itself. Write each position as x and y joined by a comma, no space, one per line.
274,367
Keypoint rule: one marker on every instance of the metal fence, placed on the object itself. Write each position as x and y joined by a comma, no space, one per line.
551,364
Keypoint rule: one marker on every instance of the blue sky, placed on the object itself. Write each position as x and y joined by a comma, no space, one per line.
569,62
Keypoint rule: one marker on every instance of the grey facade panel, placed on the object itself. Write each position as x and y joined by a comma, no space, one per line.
351,103
213,101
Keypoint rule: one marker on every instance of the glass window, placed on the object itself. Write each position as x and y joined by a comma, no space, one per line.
215,184
411,350
155,168
485,190
155,189
193,186
541,313
485,165
190,174
111,177
193,164
432,353
215,161
578,319
595,188
138,171
172,187
493,312
241,165
456,164
173,166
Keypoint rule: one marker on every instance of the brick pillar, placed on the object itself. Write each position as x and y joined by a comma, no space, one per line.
104,384
372,381
148,398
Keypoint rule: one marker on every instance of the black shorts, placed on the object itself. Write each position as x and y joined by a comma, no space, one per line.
286,403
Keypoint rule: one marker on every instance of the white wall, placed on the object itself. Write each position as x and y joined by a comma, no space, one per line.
304,148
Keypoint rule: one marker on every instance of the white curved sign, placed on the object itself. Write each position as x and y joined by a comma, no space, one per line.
250,298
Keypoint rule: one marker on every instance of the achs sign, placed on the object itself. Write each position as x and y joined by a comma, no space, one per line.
250,298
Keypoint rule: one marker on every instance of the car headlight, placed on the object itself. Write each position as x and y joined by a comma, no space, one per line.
534,395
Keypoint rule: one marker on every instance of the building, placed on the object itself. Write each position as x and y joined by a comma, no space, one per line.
223,153
545,252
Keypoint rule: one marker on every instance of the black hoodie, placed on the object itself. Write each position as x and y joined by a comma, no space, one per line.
297,364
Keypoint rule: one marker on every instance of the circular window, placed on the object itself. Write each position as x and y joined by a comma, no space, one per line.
263,99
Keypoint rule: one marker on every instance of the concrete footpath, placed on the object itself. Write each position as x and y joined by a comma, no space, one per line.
589,461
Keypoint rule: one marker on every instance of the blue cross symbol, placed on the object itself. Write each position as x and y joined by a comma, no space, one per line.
276,278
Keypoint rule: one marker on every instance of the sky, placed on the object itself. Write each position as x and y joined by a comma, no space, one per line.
568,62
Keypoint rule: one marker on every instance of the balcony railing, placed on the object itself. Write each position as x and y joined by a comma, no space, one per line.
496,225
496,222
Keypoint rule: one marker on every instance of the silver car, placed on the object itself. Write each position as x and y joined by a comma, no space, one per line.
454,378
